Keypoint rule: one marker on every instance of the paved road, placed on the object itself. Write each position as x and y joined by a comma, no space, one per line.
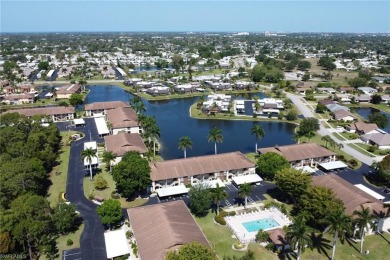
92,245
306,112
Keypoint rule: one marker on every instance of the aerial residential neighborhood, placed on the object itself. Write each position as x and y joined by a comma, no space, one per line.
125,135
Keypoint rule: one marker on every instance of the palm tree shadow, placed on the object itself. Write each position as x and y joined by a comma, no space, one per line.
321,244
352,244
383,237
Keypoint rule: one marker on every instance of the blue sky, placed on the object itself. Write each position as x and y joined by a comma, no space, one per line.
185,15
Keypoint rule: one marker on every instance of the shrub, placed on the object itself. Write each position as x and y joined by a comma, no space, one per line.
115,195
372,148
238,245
135,249
220,220
353,162
270,247
100,183
262,236
275,204
129,234
69,242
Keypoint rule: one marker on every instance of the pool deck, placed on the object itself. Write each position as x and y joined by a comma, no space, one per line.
242,234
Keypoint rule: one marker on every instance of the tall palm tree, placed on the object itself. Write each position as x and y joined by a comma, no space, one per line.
364,220
244,191
215,135
140,108
218,194
258,131
154,133
299,235
339,224
108,158
88,154
134,100
327,139
184,143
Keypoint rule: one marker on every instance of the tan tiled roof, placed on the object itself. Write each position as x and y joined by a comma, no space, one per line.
43,111
122,117
69,89
105,105
363,127
161,227
124,142
296,152
351,196
19,96
199,165
340,114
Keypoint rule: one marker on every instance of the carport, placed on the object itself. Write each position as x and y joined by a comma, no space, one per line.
101,126
370,192
250,178
171,191
116,243
330,166
79,122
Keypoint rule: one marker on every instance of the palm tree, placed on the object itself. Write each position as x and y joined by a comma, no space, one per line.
339,224
134,100
88,154
258,131
364,220
327,139
108,158
245,190
215,135
299,235
218,194
154,133
184,143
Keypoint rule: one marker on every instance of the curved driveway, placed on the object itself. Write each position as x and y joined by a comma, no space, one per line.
92,243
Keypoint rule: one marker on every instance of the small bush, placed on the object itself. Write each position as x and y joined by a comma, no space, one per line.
129,234
270,247
372,148
220,220
262,236
238,245
100,183
353,162
115,195
69,242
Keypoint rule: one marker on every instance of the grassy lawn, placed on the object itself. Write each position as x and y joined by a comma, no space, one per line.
89,190
220,238
252,157
59,174
376,244
317,139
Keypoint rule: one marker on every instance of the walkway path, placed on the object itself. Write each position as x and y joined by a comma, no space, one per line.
307,112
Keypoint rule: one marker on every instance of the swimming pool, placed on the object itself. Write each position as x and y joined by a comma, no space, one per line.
264,224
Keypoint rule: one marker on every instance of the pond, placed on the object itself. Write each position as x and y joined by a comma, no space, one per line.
174,121
366,111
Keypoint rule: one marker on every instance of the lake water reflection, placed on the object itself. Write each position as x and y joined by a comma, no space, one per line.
174,121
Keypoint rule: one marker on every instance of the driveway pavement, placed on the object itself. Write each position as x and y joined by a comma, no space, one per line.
92,245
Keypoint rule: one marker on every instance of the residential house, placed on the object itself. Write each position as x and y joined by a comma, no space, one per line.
9,89
363,98
124,142
300,155
66,91
385,99
362,128
353,198
379,79
326,102
216,103
123,119
202,169
163,227
56,114
184,88
344,98
368,90
381,139
335,107
344,90
343,115
18,99
97,109
158,90
327,90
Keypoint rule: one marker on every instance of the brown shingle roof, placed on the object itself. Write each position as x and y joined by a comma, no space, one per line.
351,196
158,228
124,142
326,102
340,114
199,165
19,96
296,152
122,117
278,237
105,105
360,126
43,111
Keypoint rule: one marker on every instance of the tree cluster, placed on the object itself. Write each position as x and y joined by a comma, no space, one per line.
266,73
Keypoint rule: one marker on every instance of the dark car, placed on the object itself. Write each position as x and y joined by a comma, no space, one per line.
387,191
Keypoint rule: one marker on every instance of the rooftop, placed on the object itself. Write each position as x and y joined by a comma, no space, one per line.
124,142
122,117
105,105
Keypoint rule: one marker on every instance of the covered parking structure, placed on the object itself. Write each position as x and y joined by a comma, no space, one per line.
116,244
172,191
250,178
370,192
79,122
331,166
101,126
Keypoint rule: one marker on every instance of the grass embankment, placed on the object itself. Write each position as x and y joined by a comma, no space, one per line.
58,177
89,191
220,239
